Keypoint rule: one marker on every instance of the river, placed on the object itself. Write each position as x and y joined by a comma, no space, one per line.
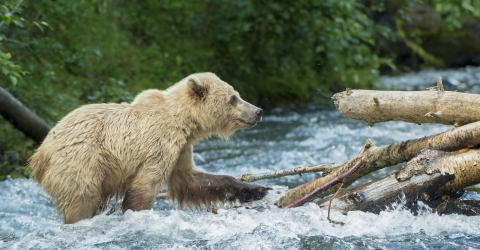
287,137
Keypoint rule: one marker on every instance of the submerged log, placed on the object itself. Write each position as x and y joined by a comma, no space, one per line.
22,118
380,157
428,177
442,107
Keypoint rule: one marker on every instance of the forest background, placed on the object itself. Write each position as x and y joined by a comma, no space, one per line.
56,55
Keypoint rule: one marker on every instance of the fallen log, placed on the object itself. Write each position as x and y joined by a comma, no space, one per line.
380,157
428,177
22,118
418,107
376,196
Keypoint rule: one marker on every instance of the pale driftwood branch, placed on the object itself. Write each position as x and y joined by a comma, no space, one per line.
380,157
285,172
330,204
427,177
440,84
22,118
442,107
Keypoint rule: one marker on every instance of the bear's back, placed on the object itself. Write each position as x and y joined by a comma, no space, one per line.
84,135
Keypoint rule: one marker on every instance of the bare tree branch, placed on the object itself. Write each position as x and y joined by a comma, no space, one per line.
286,172
21,117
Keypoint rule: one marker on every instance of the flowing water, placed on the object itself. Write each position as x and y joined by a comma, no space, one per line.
287,137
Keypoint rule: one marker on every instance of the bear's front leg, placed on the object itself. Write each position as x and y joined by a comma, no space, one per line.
188,186
197,188
227,188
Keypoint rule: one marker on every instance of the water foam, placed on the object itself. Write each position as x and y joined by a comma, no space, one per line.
165,227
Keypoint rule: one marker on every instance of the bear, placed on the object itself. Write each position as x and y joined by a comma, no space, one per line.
131,150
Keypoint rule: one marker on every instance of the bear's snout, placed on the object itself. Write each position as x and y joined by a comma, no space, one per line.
259,114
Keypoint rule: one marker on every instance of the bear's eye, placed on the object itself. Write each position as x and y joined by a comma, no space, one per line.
233,100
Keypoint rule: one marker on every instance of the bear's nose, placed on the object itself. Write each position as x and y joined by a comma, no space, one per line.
259,112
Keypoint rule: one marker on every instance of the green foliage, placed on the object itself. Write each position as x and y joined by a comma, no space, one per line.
282,51
425,26
6,169
271,51
454,12
8,11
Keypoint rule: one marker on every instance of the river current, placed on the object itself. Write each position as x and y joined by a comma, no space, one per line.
287,137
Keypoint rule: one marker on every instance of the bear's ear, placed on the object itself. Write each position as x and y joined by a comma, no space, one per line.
197,89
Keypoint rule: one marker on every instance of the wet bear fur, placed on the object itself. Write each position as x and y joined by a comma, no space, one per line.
130,151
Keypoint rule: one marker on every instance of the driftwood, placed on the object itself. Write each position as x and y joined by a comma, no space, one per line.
442,107
377,195
22,118
286,172
428,177
337,180
380,157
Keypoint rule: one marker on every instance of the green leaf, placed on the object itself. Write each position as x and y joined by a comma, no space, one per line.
5,71
319,49
6,19
38,25
8,56
13,79
46,24
16,74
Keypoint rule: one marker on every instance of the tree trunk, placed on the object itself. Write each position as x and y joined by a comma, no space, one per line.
22,118
443,107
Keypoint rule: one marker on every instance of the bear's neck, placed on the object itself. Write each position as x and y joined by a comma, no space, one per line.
182,129
172,115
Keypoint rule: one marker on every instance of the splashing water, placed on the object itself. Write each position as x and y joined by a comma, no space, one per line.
289,137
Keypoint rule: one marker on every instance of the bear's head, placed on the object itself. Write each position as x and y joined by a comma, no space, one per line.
218,107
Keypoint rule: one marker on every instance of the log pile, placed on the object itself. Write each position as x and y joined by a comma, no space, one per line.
436,168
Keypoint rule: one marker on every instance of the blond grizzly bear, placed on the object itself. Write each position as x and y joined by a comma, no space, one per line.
131,151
